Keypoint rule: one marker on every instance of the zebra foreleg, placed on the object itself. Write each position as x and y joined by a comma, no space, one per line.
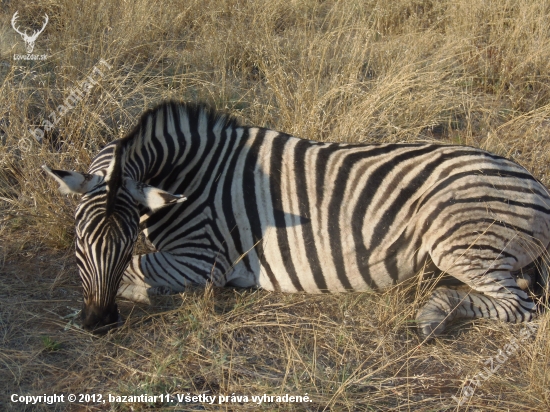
142,294
135,293
144,279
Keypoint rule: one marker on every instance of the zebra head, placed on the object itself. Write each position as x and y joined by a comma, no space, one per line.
107,227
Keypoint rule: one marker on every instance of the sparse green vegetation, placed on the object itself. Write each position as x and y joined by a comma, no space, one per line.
464,72
50,344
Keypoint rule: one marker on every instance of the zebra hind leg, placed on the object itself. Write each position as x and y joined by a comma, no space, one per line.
142,280
494,295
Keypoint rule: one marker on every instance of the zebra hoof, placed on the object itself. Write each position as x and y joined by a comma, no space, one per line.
431,322
430,330
160,291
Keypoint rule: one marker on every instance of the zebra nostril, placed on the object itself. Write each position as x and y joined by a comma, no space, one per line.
100,320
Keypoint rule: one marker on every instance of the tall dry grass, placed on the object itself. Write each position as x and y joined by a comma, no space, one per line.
465,72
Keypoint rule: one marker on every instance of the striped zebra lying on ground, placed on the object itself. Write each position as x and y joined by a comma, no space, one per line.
265,209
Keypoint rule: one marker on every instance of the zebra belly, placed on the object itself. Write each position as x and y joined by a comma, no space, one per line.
302,267
462,228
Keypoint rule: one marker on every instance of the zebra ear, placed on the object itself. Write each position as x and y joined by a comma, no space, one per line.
73,182
150,196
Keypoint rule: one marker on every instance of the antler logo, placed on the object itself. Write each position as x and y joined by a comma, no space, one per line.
29,40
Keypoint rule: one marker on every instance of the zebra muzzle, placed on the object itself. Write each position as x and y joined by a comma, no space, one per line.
100,320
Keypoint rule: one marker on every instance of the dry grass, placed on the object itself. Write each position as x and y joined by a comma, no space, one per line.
465,72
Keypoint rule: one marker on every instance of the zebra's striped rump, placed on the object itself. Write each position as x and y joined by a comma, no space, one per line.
270,210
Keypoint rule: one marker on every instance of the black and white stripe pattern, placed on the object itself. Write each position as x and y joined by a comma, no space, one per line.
270,210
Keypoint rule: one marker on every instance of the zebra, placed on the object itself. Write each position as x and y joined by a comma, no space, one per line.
266,209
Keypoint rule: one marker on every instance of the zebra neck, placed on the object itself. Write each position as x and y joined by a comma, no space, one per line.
180,161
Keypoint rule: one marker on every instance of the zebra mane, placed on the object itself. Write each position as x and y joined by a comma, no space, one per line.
193,110
114,177
115,171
